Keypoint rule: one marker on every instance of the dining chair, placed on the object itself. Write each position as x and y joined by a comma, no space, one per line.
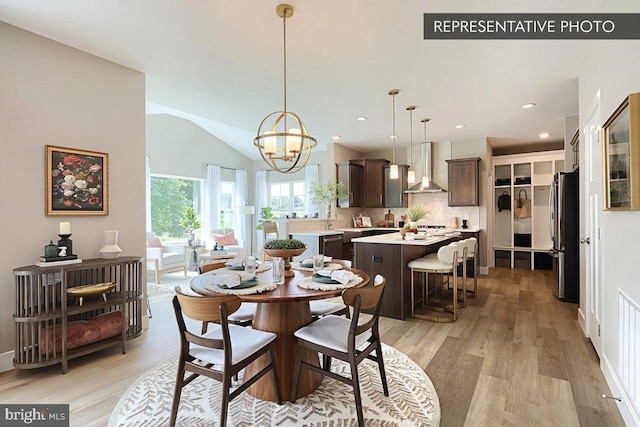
321,308
348,340
244,315
227,347
208,267
445,261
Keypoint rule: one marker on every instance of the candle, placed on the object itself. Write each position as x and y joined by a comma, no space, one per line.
65,228
294,142
270,143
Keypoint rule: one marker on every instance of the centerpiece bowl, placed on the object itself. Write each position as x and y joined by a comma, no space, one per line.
285,248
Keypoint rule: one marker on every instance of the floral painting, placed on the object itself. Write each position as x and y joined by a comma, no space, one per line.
76,182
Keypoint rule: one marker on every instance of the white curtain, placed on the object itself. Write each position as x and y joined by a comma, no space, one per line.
262,199
262,191
310,180
211,218
148,192
241,197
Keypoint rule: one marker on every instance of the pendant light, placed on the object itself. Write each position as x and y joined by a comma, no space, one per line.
286,149
425,178
411,174
393,169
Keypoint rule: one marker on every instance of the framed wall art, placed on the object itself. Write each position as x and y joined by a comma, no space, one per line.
76,182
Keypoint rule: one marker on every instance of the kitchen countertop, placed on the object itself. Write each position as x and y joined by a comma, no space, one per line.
318,233
396,239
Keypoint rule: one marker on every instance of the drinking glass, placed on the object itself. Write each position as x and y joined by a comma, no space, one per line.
318,262
278,270
250,265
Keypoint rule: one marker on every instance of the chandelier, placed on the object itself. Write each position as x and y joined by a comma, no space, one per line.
283,140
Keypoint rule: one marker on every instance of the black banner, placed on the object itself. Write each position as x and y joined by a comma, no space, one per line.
531,26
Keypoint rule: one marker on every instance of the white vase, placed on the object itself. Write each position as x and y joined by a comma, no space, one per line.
413,224
110,249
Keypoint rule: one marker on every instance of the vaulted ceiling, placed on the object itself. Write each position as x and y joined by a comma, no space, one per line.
220,63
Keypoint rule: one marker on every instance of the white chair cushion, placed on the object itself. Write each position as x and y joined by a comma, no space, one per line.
322,308
244,342
172,258
332,332
431,263
244,313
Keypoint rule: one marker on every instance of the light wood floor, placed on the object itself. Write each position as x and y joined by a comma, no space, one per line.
515,357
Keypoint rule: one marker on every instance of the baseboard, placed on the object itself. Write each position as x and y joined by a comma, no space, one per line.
582,321
6,361
631,417
484,270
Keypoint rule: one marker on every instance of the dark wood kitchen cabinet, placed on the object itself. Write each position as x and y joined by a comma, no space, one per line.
351,174
464,181
374,182
394,189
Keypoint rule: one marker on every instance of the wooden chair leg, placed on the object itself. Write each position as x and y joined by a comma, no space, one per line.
383,374
296,374
355,382
224,408
176,394
274,374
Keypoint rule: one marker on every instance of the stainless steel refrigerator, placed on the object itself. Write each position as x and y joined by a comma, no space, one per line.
564,226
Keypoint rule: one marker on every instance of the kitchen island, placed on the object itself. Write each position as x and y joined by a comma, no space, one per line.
389,255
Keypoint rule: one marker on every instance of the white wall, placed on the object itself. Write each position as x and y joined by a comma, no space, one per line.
613,68
53,94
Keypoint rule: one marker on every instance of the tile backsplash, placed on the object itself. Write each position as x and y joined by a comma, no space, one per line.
437,204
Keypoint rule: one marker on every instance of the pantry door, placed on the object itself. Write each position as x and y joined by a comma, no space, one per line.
591,262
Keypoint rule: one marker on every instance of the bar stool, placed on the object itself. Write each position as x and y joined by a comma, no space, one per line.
472,247
445,261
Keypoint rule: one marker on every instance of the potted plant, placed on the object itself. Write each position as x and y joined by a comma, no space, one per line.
415,213
190,222
266,215
327,195
285,248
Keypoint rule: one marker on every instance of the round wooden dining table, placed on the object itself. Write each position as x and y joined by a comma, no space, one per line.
283,311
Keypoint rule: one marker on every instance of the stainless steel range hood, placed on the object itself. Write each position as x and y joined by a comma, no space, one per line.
427,170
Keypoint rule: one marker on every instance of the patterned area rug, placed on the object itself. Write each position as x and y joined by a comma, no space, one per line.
412,400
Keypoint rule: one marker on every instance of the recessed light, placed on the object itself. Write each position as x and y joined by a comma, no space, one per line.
336,137
529,105
361,118
459,126
544,135
393,136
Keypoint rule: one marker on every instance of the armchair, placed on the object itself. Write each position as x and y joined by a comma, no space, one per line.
163,259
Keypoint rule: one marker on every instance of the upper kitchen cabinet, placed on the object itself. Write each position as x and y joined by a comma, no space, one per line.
351,174
464,183
374,182
394,189
621,156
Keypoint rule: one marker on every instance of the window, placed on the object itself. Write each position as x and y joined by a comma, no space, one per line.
287,198
170,196
227,204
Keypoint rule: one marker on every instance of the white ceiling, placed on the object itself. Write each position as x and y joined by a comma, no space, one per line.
219,62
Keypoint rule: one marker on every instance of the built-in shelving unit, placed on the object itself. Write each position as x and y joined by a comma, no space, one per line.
45,313
523,241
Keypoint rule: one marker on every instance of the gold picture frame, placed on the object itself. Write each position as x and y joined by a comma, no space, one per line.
76,181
